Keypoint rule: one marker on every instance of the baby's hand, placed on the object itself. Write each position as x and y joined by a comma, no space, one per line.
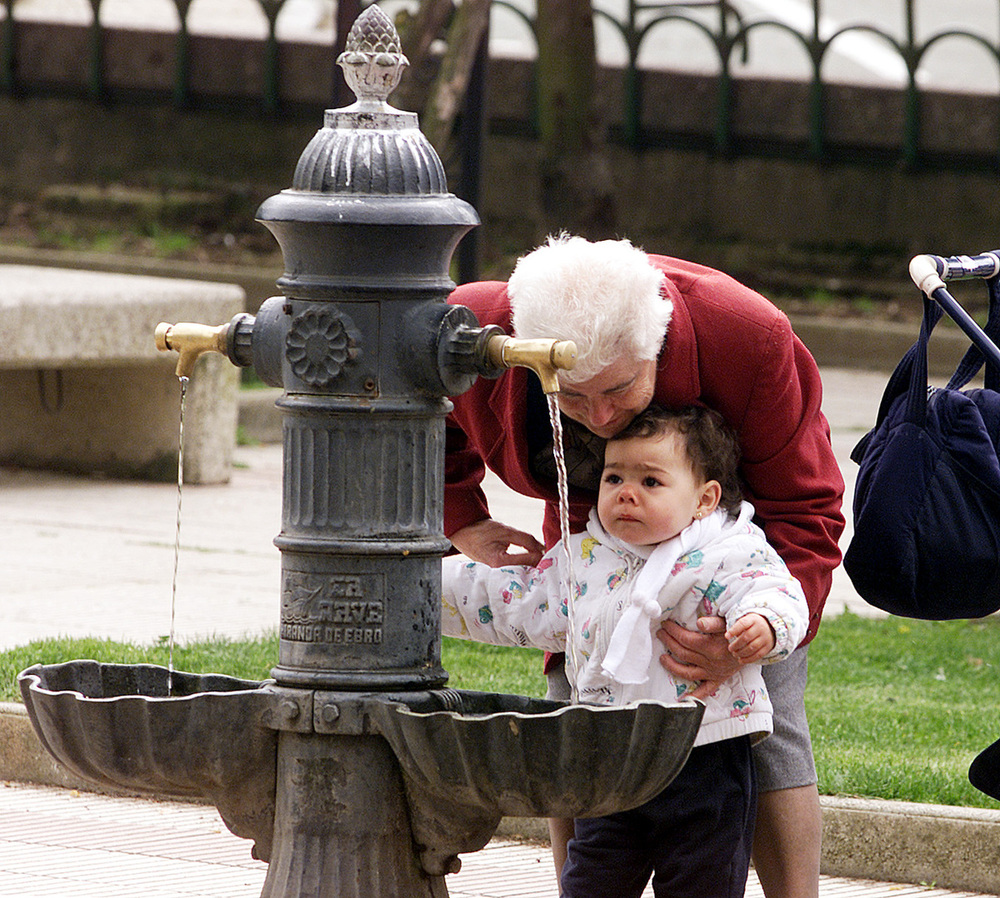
751,638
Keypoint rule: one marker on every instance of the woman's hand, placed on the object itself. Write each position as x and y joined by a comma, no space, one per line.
703,657
489,542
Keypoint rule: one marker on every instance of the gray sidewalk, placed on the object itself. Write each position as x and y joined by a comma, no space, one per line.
96,557
56,843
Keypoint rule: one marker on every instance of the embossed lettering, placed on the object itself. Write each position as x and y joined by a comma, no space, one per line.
331,609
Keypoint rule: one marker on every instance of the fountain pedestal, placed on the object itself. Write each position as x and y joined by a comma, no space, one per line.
330,838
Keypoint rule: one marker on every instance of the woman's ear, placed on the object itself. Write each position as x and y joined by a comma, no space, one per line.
711,493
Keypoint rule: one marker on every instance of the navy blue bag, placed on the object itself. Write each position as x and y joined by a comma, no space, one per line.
984,771
926,538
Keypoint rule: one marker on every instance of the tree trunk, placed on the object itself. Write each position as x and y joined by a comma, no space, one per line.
444,105
576,181
417,33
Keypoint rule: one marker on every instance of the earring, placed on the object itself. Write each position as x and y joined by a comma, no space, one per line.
697,514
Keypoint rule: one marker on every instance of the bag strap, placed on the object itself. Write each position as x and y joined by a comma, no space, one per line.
993,332
910,376
973,359
909,379
900,381
916,400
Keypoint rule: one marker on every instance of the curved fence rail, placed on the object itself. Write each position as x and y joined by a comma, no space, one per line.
721,24
728,31
730,35
97,87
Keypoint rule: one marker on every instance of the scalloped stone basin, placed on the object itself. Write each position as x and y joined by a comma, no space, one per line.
463,768
535,758
117,725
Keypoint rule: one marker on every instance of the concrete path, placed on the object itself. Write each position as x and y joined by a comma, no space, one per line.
57,842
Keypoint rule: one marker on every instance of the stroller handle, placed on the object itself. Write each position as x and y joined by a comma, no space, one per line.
929,274
956,268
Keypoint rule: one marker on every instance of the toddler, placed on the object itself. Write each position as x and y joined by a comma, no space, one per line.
670,538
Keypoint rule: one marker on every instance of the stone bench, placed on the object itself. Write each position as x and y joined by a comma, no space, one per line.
84,389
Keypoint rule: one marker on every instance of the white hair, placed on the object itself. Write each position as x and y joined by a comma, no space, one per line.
605,296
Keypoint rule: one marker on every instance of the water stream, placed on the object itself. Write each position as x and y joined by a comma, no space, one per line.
177,539
569,581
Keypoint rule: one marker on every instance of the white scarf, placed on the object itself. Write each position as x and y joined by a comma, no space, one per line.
630,649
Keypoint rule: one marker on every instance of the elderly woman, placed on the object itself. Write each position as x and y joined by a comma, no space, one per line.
653,329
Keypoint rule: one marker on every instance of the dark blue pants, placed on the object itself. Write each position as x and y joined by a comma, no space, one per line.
694,837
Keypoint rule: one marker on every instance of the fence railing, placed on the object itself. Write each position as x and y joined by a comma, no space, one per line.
725,29
729,32
97,85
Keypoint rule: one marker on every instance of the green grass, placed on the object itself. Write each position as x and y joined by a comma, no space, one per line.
251,659
485,668
898,708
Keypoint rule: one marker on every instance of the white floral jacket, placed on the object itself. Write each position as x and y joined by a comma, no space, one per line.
726,569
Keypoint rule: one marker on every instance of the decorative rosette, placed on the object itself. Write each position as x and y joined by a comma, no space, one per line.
318,346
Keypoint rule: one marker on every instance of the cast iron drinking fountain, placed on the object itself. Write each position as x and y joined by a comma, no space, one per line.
355,771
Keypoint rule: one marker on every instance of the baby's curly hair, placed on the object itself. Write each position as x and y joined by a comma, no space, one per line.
710,442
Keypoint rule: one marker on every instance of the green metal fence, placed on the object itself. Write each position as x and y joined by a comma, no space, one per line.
730,34
722,25
97,87
729,31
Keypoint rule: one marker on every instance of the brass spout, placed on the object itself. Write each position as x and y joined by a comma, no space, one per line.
544,357
190,341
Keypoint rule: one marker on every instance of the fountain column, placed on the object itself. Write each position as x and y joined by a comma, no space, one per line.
367,231
353,772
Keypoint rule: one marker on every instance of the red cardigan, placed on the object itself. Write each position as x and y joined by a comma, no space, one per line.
727,347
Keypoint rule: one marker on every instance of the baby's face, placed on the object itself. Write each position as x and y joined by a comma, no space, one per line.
649,491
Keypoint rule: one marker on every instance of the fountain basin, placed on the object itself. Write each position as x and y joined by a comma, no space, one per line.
536,758
466,758
121,727
486,756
